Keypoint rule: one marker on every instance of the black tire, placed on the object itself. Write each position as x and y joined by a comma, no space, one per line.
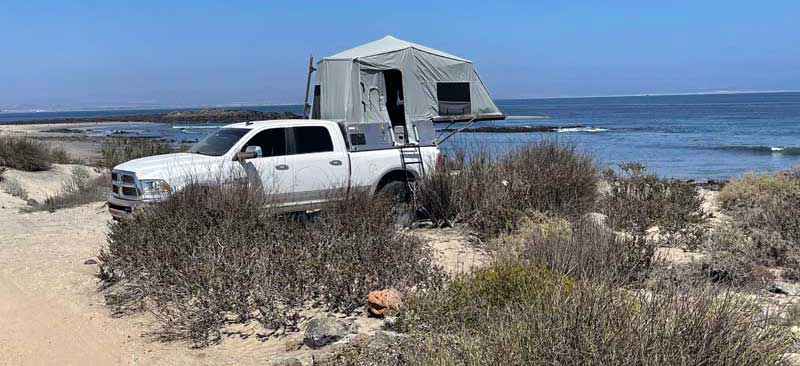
397,193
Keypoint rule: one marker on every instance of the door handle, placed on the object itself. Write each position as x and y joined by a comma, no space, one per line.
336,162
282,167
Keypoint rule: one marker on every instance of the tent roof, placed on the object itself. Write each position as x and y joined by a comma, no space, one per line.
386,45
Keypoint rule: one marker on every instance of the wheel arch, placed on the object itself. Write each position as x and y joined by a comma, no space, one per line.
394,175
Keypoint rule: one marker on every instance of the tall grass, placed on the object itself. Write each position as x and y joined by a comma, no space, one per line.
13,187
764,230
493,194
79,188
597,324
116,151
25,154
638,200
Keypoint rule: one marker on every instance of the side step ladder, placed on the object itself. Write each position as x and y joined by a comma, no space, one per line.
411,154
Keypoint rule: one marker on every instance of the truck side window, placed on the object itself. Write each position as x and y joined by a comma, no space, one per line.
272,142
312,139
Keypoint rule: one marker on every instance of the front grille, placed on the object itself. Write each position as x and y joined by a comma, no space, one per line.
124,185
128,191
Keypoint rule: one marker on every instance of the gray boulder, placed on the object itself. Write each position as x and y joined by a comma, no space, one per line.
385,339
324,331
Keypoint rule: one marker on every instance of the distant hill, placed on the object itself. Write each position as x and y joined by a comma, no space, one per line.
220,115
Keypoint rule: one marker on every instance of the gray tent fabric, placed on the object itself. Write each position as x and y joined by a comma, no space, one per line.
353,85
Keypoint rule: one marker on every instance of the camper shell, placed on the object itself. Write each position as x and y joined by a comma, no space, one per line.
389,92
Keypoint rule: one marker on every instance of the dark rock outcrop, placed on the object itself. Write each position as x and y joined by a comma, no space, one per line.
219,115
323,331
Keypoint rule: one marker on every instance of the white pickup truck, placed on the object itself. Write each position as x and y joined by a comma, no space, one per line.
300,163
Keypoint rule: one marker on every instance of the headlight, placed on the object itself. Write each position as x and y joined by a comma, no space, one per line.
154,188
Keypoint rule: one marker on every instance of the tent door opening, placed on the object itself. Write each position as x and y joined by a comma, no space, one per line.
395,103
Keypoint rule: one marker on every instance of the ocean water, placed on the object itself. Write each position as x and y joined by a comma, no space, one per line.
681,136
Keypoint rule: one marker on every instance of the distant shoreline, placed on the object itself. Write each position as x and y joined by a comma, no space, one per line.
204,115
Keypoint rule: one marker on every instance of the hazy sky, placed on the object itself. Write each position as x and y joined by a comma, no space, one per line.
91,53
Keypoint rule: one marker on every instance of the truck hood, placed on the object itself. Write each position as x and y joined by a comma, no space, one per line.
171,166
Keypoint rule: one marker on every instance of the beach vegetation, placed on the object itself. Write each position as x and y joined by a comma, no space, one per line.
29,155
764,229
492,194
80,187
212,255
589,324
116,151
13,187
637,200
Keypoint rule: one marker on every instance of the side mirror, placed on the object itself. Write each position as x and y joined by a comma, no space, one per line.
250,152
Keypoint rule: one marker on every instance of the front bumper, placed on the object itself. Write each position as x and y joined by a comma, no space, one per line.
119,208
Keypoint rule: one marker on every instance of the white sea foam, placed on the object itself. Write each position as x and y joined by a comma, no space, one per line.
777,148
195,127
581,129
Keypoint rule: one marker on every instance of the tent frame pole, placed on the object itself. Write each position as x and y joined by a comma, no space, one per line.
467,125
311,69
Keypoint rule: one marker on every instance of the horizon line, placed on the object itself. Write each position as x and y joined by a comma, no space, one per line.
255,104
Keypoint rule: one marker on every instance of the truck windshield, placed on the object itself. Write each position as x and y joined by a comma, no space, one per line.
220,142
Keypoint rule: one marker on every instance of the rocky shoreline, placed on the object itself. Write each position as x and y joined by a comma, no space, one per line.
218,115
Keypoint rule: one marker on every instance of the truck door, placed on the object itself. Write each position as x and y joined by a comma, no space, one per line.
320,166
272,170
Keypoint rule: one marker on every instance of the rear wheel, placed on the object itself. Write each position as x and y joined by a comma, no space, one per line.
398,195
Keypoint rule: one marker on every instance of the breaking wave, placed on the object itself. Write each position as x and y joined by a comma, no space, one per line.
581,129
783,150
190,127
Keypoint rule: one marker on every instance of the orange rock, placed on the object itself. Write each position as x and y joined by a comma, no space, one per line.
384,302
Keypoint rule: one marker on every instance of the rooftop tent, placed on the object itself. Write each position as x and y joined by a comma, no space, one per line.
391,80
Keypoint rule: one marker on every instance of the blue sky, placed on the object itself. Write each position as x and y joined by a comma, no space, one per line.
99,53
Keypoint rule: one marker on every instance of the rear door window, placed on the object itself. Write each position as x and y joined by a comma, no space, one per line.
312,139
271,141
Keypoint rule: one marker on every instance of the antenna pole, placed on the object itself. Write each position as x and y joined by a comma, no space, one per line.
311,69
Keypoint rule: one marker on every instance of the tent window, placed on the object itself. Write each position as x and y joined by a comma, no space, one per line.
453,99
315,111
312,139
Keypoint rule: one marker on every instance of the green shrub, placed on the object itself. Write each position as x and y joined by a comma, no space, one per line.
637,201
551,178
765,212
79,188
468,188
466,300
116,151
493,195
211,255
591,324
14,188
584,250
29,155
